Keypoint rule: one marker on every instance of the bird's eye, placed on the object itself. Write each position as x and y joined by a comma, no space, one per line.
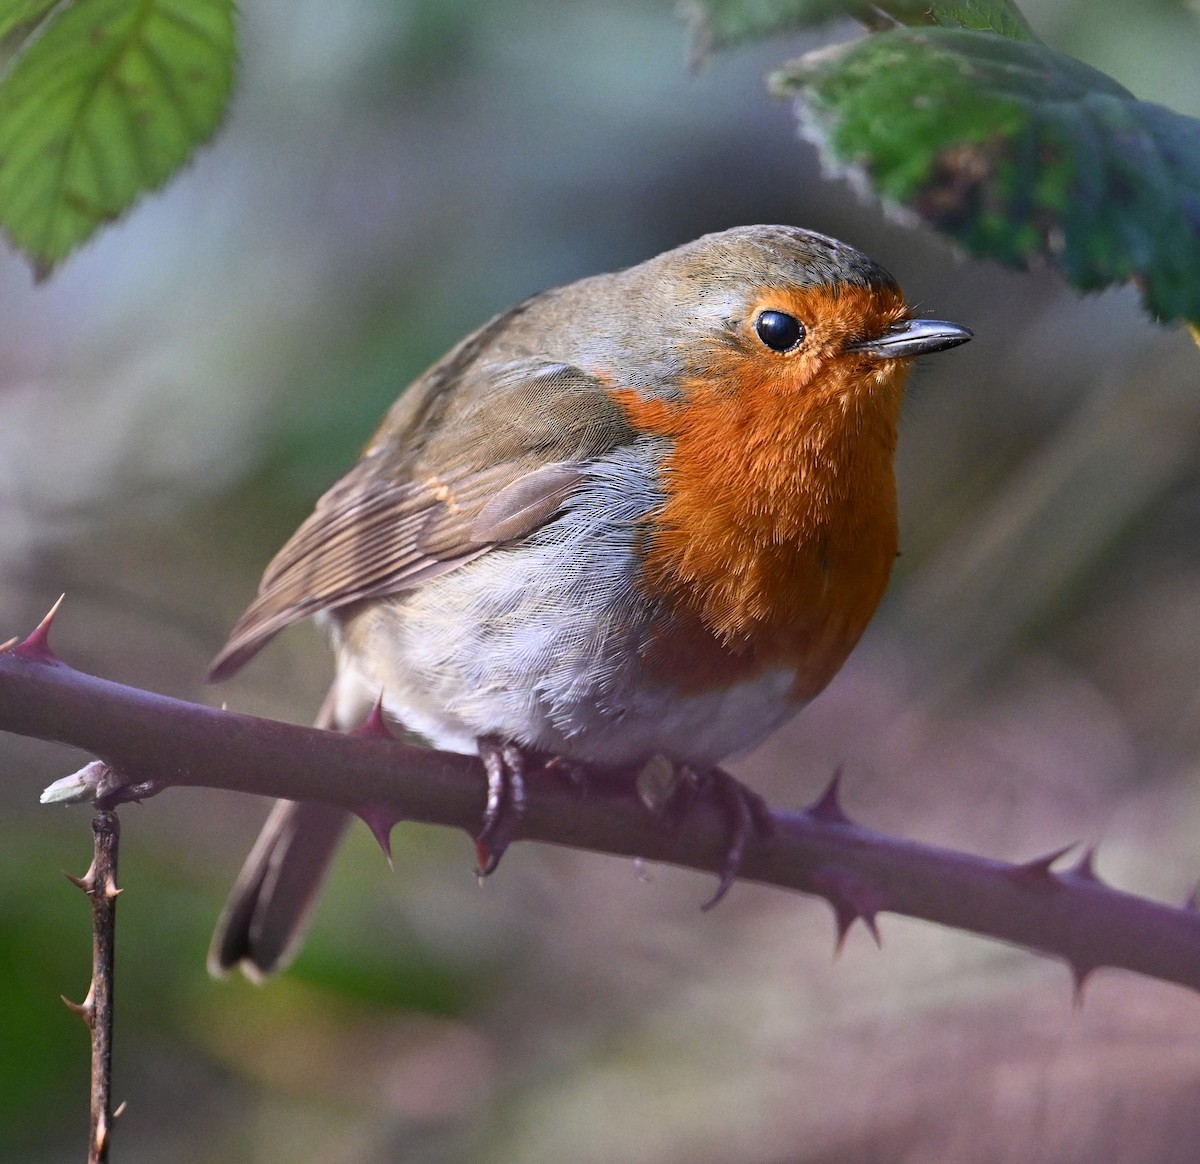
778,330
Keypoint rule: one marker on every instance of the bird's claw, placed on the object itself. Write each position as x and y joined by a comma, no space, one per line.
673,790
669,790
506,766
747,815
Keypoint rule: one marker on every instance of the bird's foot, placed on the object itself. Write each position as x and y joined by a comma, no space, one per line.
509,767
506,765
668,789
672,790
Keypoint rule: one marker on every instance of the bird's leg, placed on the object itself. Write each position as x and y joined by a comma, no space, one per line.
506,766
673,790
669,790
747,815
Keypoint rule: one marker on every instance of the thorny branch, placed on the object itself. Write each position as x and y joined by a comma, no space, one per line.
96,1010
149,742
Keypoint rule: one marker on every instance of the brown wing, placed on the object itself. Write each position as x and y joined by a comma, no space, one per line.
460,465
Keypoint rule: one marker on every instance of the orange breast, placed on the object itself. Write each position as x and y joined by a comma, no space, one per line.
778,534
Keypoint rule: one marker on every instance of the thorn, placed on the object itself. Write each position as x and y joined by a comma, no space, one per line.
828,806
1079,979
374,724
224,707
1039,868
853,899
1085,868
11,643
845,920
87,882
873,927
85,1009
36,646
111,890
120,1109
380,819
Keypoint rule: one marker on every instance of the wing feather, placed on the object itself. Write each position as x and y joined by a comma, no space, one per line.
492,458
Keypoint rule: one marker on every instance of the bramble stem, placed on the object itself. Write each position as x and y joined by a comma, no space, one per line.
149,742
96,1010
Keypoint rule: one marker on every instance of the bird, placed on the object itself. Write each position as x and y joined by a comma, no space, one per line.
644,515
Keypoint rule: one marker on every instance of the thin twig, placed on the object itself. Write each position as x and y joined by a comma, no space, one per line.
96,1010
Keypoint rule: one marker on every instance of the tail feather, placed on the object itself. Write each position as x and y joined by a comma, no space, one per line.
271,903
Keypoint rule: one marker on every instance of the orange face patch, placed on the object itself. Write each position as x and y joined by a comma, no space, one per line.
778,533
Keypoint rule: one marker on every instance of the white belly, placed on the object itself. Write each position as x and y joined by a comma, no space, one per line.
542,642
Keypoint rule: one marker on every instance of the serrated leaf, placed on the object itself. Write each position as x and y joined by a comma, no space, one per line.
21,15
999,16
1017,152
104,103
716,23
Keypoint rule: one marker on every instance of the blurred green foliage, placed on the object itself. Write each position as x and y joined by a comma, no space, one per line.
719,23
101,101
176,397
1014,150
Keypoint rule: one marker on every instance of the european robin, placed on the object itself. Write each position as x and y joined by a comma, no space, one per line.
644,515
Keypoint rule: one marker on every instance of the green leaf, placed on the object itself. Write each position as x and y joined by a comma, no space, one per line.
716,23
1017,152
21,15
999,16
102,103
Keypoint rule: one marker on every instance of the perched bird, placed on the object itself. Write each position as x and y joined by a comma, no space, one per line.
644,515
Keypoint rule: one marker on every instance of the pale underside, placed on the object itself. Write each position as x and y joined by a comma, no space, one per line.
545,644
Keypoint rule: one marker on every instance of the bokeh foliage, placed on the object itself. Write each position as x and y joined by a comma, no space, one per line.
719,23
393,172
101,101
1017,152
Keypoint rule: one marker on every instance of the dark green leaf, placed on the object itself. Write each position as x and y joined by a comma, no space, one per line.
1017,152
103,104
716,23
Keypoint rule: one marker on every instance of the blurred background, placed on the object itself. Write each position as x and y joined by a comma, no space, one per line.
172,402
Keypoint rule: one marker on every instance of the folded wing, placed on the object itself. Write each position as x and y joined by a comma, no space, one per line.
454,470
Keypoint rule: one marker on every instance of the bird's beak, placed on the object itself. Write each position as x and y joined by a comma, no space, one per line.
912,337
